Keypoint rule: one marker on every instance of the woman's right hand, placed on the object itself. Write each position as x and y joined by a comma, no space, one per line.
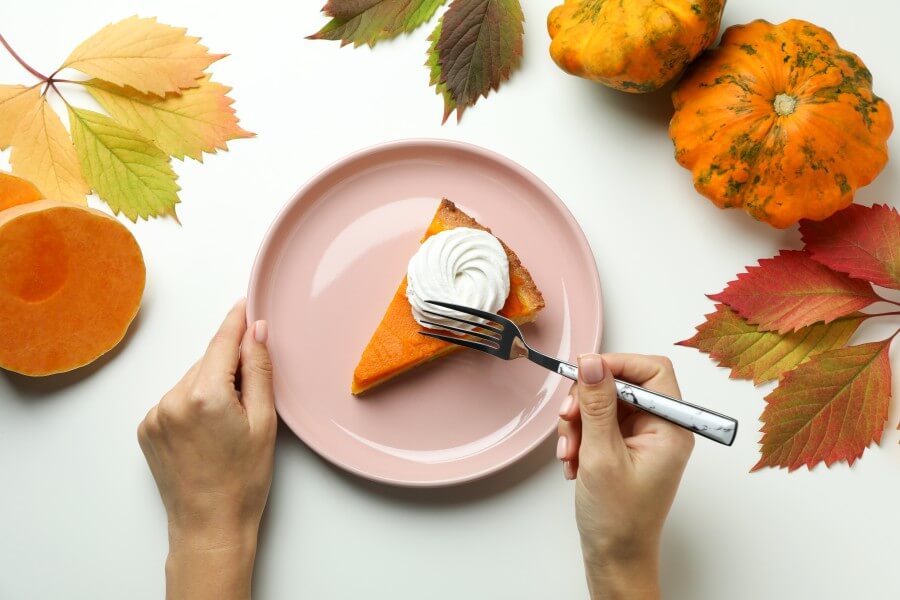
627,464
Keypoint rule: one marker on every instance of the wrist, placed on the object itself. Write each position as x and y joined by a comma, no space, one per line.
631,577
200,537
212,562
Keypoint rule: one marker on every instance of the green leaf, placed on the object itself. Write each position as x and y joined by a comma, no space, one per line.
369,21
478,46
434,66
127,171
765,355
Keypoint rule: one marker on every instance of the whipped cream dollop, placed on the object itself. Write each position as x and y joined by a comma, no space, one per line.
461,266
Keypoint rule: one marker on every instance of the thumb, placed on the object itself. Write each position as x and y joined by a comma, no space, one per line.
256,374
597,399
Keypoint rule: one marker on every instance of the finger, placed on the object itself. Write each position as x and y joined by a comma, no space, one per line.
256,375
597,400
655,373
652,372
220,362
568,409
570,469
569,440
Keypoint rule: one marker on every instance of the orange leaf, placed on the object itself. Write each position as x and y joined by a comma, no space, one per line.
198,120
792,290
150,57
15,103
43,154
829,409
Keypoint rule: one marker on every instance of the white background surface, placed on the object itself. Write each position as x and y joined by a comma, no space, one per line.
79,513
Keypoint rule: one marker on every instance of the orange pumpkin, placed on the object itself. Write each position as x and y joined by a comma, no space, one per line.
780,121
634,46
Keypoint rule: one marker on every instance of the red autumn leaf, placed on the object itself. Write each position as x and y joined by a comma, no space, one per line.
792,290
862,241
765,355
828,409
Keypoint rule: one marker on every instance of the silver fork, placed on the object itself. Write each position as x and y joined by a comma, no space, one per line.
503,339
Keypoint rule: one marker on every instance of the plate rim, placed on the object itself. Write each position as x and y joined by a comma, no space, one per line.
439,144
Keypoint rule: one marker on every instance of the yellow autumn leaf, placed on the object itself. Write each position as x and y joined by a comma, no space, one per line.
43,153
15,103
128,172
146,55
198,120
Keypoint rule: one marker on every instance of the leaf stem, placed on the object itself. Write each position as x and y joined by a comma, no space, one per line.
886,314
19,59
51,83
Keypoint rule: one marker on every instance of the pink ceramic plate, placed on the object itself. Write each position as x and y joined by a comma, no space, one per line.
328,268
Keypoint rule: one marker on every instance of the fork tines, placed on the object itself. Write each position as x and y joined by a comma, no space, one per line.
493,341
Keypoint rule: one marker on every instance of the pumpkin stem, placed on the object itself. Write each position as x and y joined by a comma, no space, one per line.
784,104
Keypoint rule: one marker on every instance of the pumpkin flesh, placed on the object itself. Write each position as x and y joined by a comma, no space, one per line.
71,281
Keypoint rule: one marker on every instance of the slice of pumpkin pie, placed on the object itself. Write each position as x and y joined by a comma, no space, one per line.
459,261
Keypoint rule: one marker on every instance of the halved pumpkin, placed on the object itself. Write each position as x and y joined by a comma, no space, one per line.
71,281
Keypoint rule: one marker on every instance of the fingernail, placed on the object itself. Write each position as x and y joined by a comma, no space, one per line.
590,368
561,447
566,405
569,470
261,332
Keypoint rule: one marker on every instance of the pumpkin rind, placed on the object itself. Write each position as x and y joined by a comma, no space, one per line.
634,46
15,190
780,121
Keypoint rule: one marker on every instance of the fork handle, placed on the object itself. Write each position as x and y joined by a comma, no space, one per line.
702,421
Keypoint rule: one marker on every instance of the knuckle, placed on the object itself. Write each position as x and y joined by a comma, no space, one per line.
262,366
199,399
168,401
170,406
598,406
149,426
201,392
665,362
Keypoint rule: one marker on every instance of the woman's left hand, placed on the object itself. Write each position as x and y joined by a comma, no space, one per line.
210,446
